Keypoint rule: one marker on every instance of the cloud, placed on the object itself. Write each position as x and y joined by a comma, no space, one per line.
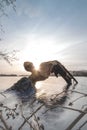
76,52
28,9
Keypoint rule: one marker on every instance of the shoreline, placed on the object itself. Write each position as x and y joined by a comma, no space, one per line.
74,73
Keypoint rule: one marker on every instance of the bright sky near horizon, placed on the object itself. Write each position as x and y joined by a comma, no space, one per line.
45,30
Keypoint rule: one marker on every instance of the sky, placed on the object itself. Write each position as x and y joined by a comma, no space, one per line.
43,30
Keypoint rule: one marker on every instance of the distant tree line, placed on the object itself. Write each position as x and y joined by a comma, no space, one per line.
79,73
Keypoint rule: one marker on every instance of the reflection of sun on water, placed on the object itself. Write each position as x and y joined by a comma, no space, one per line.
38,85
39,91
50,87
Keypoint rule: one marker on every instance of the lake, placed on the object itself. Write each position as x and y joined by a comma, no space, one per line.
54,119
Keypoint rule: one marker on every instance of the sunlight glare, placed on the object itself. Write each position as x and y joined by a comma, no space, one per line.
39,49
36,65
38,85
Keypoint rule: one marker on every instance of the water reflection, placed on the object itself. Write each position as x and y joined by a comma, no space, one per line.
51,92
48,91
38,85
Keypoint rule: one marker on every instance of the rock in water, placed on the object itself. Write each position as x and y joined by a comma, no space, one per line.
24,86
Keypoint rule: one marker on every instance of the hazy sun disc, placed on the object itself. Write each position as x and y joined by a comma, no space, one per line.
36,65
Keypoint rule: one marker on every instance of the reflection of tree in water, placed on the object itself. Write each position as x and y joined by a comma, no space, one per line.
37,109
26,92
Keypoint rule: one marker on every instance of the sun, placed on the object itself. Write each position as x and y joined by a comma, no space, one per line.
35,54
36,65
38,49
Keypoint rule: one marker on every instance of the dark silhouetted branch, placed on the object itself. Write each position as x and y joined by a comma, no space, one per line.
76,120
82,125
2,128
4,122
68,108
30,116
9,57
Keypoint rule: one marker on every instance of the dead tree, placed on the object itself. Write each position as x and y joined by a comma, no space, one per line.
46,68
